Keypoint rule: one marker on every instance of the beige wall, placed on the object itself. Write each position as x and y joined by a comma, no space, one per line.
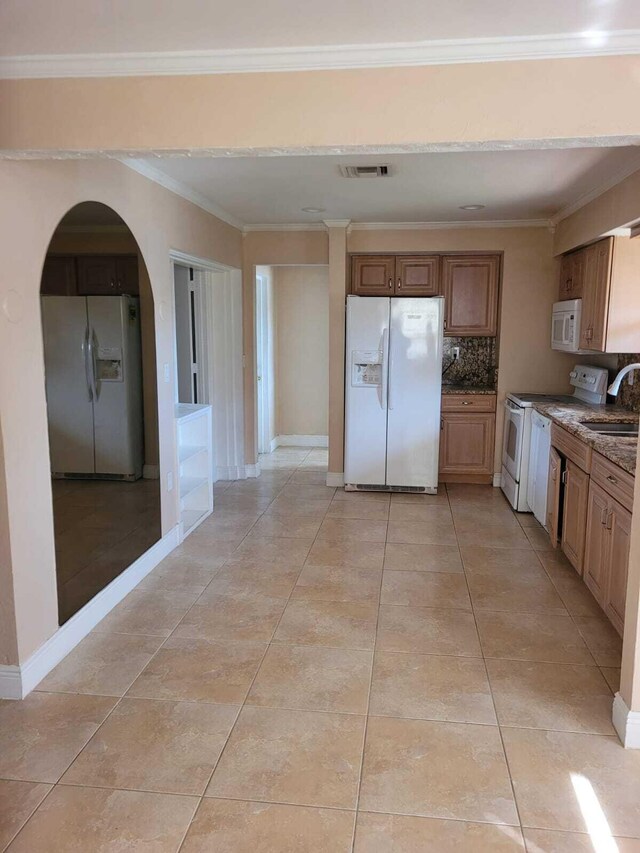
432,105
79,243
35,196
268,248
302,350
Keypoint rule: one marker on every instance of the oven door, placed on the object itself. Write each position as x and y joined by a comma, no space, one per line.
512,439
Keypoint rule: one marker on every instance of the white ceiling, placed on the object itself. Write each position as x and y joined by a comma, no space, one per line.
513,185
31,27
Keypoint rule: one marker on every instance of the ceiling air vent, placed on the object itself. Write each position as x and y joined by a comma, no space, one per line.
365,171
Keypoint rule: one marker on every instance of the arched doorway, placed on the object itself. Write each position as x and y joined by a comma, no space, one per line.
101,386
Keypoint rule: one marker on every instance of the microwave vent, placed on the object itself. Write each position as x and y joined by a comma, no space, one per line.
365,171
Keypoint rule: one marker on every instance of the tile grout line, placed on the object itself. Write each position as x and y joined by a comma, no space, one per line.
244,701
493,701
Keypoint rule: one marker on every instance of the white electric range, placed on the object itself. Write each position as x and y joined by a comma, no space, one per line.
590,385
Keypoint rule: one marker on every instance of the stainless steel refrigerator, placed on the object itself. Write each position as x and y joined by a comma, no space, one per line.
392,393
93,375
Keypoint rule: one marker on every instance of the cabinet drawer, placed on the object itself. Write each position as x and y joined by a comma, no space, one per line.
571,447
615,481
468,402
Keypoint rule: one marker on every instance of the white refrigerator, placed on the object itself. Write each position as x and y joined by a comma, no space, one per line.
93,375
392,393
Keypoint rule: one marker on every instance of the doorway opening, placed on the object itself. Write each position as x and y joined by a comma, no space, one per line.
292,357
102,411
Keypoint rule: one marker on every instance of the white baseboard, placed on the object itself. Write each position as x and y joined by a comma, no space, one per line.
299,441
252,470
274,444
626,723
18,681
237,472
335,479
497,480
151,472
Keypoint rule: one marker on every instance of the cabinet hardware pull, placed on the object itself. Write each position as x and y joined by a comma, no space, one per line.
399,283
603,516
612,479
390,282
441,423
609,520
445,324
565,477
467,403
112,284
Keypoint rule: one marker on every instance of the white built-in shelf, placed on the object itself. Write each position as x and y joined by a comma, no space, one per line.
193,426
187,452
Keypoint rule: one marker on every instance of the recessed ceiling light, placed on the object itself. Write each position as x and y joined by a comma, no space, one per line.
472,207
313,209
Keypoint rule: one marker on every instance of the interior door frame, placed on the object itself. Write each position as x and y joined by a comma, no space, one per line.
264,377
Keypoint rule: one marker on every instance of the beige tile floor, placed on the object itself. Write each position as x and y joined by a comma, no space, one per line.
320,672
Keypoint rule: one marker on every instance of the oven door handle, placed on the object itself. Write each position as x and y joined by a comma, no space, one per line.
513,410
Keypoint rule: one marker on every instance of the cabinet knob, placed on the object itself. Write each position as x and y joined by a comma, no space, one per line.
467,403
612,479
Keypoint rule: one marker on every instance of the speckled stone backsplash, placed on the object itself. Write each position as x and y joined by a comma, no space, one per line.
477,365
629,395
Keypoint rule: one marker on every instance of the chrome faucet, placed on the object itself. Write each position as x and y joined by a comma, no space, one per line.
615,385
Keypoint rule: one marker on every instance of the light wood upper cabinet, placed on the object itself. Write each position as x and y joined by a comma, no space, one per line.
395,275
553,495
571,276
417,275
466,447
470,287
373,275
574,516
606,275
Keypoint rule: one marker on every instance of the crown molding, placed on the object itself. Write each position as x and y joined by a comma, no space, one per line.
322,57
181,189
456,224
596,193
286,226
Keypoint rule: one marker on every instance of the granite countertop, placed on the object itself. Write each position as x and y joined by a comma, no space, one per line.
467,389
621,450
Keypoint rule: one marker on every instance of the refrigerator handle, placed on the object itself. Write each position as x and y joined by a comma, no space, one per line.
385,368
85,354
389,372
92,343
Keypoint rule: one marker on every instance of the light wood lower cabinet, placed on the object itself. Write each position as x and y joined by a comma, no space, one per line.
466,447
574,514
607,553
553,496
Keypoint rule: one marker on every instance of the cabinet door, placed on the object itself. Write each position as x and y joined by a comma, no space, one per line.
566,266
553,495
572,271
373,275
595,297
619,529
466,447
417,275
97,275
127,275
59,276
470,286
596,554
574,514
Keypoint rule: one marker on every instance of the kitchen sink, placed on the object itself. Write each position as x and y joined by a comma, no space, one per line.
604,428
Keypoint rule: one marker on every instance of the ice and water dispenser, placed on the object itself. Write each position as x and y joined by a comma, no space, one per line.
366,368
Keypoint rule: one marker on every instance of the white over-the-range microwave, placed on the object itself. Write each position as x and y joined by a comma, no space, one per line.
565,326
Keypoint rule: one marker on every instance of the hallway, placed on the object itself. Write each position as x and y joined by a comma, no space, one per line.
315,671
